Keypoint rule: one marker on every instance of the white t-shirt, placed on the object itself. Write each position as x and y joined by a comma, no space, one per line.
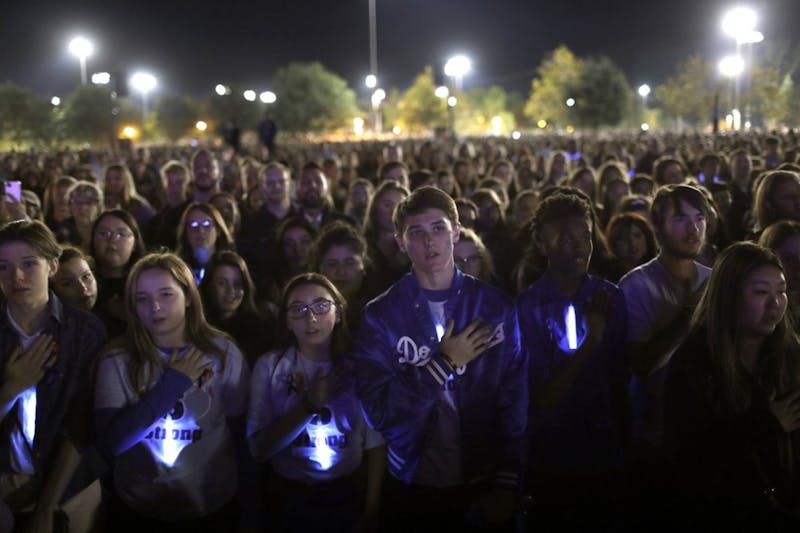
185,466
653,298
331,444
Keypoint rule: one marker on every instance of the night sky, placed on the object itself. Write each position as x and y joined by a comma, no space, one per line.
191,46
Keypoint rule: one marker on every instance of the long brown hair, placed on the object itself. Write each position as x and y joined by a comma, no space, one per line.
341,341
718,312
144,355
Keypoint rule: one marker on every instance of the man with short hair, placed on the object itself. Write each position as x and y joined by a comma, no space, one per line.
661,296
313,196
573,327
441,375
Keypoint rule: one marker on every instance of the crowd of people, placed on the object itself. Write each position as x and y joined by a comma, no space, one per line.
568,333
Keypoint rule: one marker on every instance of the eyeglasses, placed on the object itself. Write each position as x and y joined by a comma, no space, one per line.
105,235
470,260
318,307
197,224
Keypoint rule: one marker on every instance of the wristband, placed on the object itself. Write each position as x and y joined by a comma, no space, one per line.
308,406
448,360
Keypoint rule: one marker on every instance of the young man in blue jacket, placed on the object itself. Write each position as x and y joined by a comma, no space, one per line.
441,375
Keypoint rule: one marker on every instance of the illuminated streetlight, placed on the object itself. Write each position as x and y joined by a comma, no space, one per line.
81,48
442,92
371,81
358,126
101,78
452,101
144,83
201,125
570,102
457,67
222,90
268,97
645,126
497,125
739,23
55,101
731,66
516,135
249,95
644,90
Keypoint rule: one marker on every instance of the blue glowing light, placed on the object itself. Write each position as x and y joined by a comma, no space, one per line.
439,331
29,413
572,327
322,453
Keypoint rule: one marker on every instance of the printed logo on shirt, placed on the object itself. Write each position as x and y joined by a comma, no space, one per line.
179,428
321,441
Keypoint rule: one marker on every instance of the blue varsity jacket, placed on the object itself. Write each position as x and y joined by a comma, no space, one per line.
399,374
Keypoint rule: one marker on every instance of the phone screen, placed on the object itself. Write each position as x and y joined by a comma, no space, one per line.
14,190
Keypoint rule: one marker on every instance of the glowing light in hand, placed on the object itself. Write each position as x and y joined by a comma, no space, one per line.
572,328
29,413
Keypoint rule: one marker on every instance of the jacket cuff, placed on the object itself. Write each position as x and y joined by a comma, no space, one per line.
438,369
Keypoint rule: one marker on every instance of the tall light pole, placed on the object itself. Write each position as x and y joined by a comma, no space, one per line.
81,48
144,83
740,24
732,67
457,67
644,92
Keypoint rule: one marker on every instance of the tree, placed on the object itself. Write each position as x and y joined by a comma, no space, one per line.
88,114
311,98
176,116
419,108
689,94
25,117
555,75
233,107
478,108
602,94
766,100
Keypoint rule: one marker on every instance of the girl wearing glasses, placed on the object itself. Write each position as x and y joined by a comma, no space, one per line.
167,398
228,299
201,233
116,245
305,420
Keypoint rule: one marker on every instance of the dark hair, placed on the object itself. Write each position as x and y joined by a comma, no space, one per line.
672,196
718,312
224,239
138,242
775,234
621,221
34,233
231,259
557,207
660,167
388,167
420,200
337,234
762,205
341,341
69,252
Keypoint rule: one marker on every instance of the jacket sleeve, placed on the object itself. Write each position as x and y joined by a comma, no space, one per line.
398,400
512,407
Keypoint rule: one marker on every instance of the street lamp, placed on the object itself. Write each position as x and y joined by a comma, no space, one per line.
457,67
371,81
644,92
570,102
222,90
81,48
268,97
143,82
739,23
249,95
55,101
732,67
441,92
101,78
